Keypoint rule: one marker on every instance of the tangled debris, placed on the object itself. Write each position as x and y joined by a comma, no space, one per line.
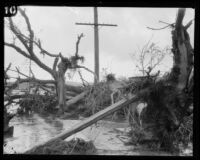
60,147
184,134
37,103
164,117
97,99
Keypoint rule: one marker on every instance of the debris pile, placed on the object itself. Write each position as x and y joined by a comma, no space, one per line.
60,147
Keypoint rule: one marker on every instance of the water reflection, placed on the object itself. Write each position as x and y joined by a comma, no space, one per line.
29,131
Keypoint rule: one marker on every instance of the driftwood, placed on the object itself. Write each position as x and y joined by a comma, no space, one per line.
93,119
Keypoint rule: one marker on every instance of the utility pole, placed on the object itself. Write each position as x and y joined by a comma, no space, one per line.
29,75
96,45
96,41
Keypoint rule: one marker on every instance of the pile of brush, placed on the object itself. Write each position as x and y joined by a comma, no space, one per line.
97,99
61,147
184,134
37,103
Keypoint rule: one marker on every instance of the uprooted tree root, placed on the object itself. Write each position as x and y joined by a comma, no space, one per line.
60,147
167,119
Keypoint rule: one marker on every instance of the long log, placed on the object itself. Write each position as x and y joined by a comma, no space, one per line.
76,89
69,93
91,120
75,99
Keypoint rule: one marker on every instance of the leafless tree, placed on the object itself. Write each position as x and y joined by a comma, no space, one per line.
61,64
149,57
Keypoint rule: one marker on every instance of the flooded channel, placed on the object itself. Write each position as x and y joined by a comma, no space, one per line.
108,137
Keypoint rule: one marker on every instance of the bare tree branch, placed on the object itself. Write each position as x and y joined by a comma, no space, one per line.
158,61
31,36
77,43
158,28
17,71
150,56
44,51
188,25
168,25
38,44
32,72
78,66
17,33
18,50
83,81
29,48
41,64
8,67
61,56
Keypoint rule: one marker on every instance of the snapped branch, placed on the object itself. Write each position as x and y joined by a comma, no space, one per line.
179,17
189,24
55,63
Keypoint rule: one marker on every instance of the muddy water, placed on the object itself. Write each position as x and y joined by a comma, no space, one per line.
107,136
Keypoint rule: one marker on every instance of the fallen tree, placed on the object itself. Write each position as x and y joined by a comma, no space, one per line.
76,98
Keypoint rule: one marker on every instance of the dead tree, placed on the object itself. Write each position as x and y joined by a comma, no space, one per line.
30,42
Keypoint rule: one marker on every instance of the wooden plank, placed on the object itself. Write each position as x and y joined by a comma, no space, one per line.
91,120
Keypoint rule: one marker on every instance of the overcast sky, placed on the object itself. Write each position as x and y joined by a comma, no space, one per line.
55,26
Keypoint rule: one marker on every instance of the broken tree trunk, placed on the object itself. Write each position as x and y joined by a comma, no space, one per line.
76,89
70,93
183,52
93,119
75,99
61,93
